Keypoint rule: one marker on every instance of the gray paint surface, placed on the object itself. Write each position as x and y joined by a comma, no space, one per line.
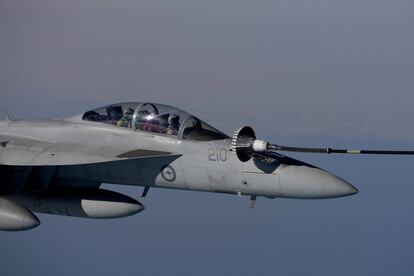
57,152
321,73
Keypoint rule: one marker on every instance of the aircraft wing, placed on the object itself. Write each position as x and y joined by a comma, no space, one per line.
22,151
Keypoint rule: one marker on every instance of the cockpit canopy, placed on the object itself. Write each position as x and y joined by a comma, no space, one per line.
155,118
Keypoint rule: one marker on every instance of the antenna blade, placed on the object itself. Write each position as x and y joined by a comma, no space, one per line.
252,201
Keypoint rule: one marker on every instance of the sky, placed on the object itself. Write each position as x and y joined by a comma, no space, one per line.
307,73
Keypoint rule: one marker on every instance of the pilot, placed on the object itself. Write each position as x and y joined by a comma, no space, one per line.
152,122
173,124
193,131
141,120
197,125
126,120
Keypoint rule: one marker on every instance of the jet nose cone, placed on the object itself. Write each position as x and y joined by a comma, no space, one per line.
313,183
340,188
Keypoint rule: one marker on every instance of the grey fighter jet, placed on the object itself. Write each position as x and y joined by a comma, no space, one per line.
57,166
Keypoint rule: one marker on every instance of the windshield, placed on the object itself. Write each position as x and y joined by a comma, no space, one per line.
195,129
155,118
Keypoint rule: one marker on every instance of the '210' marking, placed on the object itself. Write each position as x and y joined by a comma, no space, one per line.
216,154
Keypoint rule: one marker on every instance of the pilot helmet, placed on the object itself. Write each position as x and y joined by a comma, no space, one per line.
129,113
143,114
173,119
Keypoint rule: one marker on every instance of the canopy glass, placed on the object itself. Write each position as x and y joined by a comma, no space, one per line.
156,118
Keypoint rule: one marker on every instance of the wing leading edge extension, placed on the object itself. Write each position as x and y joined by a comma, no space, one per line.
17,151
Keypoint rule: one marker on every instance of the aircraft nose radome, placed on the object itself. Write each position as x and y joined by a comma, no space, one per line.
313,183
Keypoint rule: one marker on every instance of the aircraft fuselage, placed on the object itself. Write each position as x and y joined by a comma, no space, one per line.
208,166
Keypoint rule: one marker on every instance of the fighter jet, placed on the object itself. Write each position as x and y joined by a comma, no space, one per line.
57,166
